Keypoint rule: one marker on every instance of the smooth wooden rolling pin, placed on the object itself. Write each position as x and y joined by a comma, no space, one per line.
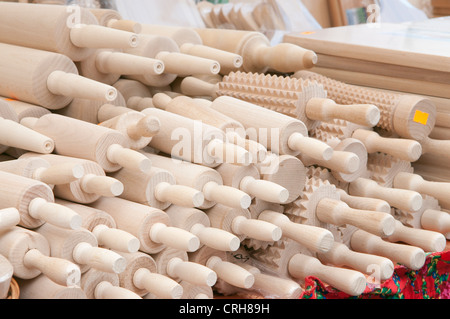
239,222
150,225
258,54
87,189
6,275
138,128
9,217
429,241
204,179
409,116
248,179
175,63
35,202
24,109
30,254
197,109
107,66
285,170
197,222
15,135
340,255
229,272
305,100
411,256
415,182
157,188
104,228
39,169
141,277
176,265
42,287
405,149
279,133
78,34
98,284
316,239
190,43
47,79
349,281
400,198
77,138
195,141
81,247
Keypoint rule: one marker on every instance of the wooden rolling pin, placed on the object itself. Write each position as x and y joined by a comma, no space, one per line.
175,63
405,149
340,255
279,133
195,141
77,138
415,182
197,222
197,109
195,87
42,287
150,225
364,203
239,222
248,179
258,54
429,241
231,273
316,239
81,247
104,228
305,100
35,202
24,109
98,284
6,275
190,43
204,179
176,265
436,220
141,277
30,254
107,66
137,95
47,79
113,19
39,169
138,128
78,34
285,170
157,188
15,135
434,152
9,217
409,116
411,256
400,198
349,281
88,188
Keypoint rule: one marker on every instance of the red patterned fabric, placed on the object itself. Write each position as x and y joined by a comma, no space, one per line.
430,282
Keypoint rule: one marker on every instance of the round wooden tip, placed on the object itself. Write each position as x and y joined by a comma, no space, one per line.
414,151
373,115
417,259
415,202
310,59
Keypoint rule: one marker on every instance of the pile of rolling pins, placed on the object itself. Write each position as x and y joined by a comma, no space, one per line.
149,162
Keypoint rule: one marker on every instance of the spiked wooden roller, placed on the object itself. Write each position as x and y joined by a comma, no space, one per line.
409,116
303,99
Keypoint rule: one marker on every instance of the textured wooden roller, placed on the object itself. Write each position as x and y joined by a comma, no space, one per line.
47,79
383,168
77,138
87,189
409,116
257,52
304,99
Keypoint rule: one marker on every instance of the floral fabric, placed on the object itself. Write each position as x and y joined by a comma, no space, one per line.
430,282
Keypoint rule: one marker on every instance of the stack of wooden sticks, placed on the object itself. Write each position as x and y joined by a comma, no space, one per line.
143,161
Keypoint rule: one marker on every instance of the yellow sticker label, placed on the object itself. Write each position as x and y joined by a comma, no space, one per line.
308,32
421,117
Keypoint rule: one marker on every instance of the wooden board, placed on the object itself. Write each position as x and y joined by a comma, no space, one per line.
412,44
